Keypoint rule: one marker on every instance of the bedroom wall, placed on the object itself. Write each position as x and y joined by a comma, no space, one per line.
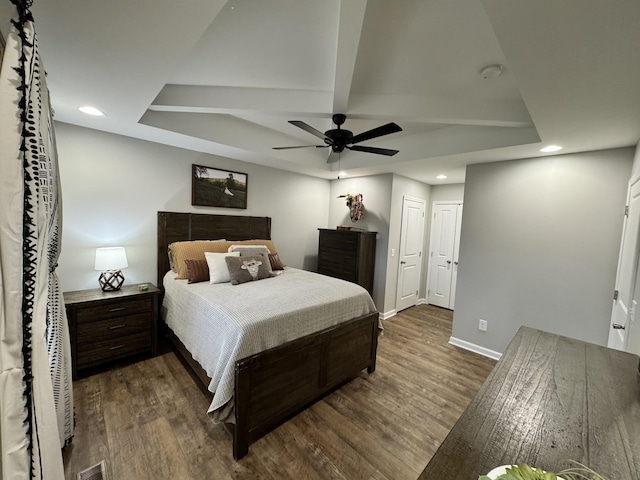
382,196
636,159
443,193
113,187
376,194
539,246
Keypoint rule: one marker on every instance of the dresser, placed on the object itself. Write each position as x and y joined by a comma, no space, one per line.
110,326
549,400
348,254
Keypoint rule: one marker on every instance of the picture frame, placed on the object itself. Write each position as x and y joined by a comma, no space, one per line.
215,187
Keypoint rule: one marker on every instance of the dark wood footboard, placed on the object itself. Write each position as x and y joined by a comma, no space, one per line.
273,385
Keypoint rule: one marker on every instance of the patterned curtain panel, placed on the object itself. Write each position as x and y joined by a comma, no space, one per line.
36,401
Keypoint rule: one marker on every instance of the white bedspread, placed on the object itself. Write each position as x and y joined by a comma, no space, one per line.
222,323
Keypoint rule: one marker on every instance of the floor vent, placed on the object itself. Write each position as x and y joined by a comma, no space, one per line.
97,472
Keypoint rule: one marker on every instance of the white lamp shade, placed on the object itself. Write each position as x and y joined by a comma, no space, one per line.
110,258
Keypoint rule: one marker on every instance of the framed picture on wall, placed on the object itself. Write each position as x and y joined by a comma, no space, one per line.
212,187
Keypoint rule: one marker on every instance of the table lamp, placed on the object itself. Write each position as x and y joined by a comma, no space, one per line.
110,260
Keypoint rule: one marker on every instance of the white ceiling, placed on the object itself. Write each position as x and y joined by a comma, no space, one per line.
223,77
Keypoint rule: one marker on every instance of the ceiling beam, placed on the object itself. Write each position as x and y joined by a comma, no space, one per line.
350,22
299,103
214,99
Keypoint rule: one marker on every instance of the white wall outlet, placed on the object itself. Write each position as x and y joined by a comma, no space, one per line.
482,325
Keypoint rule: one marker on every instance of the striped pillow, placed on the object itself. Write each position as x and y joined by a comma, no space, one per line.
197,271
276,263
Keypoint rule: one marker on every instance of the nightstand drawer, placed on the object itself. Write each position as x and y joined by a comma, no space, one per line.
98,352
113,309
113,328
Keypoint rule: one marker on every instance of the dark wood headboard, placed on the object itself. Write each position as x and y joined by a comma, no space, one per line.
178,227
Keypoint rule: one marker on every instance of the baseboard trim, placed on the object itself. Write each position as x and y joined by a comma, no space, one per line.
422,301
389,314
472,347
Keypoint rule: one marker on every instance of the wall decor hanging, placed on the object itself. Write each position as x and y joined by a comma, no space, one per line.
212,187
355,205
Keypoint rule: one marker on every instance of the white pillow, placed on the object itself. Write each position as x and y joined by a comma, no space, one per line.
218,271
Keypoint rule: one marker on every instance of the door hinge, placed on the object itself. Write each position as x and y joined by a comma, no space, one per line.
626,210
416,293
420,254
615,294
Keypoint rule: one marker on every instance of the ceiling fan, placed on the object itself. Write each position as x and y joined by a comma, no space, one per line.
339,139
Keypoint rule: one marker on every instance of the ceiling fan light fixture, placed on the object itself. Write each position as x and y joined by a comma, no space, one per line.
339,139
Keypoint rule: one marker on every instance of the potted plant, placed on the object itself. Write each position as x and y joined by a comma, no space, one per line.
525,472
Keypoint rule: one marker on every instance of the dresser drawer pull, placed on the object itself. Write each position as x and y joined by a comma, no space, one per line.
117,309
115,347
115,327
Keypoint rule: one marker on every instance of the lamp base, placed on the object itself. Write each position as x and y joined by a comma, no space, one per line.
111,280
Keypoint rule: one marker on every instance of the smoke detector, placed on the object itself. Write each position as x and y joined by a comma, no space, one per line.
491,71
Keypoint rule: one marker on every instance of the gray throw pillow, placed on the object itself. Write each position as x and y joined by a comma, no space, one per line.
248,268
247,250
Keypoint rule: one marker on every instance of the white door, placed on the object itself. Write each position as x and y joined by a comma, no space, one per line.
411,244
456,254
444,245
623,315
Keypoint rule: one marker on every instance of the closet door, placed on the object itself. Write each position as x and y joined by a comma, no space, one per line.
445,239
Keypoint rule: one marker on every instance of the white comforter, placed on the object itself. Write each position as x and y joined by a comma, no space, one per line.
222,323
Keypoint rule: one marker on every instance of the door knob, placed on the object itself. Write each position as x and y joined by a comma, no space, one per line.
617,326
402,262
449,261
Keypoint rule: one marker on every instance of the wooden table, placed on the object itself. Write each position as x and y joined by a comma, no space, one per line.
548,400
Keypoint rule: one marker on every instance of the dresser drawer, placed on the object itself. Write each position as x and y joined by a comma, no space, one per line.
98,352
113,309
337,269
112,328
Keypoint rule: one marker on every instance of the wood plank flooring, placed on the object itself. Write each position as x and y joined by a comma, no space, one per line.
148,419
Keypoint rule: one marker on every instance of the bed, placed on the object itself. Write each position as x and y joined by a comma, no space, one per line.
270,385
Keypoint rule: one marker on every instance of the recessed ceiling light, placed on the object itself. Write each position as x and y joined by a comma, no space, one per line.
550,148
342,174
441,177
91,111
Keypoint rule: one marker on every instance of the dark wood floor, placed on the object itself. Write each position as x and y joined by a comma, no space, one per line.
148,420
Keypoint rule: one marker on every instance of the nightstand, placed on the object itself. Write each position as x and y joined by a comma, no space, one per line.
110,326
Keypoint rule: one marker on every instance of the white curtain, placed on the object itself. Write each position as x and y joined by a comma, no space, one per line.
36,401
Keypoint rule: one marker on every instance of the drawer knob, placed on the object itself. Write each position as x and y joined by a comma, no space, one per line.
115,327
115,347
116,309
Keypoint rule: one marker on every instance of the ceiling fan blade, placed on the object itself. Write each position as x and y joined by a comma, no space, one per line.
380,151
376,132
308,128
299,146
333,157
